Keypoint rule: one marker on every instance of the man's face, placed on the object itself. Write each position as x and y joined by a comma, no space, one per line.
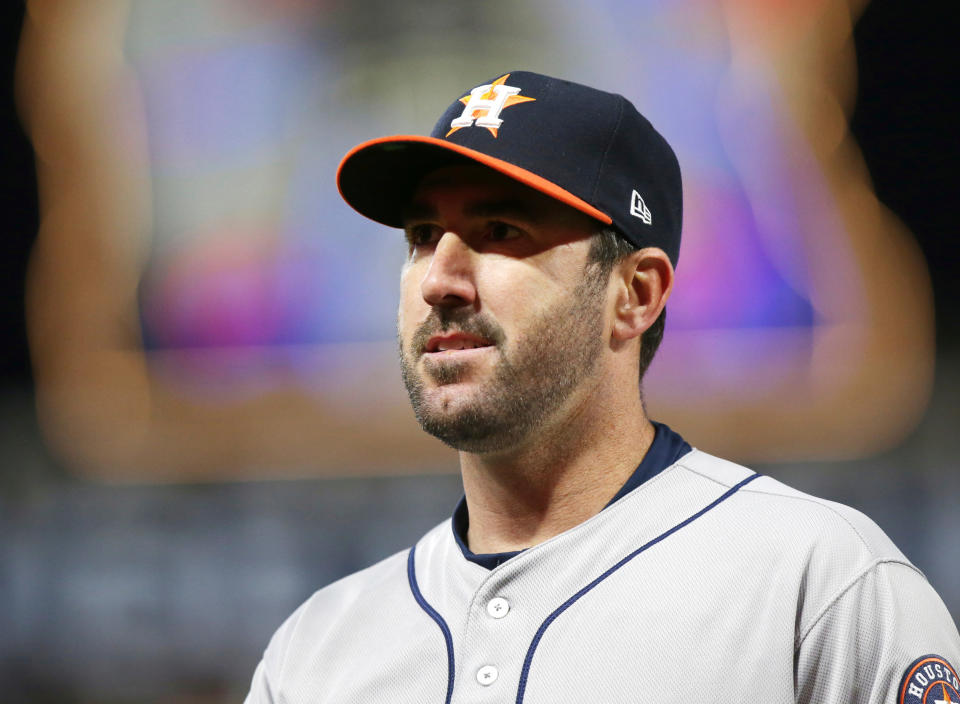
501,321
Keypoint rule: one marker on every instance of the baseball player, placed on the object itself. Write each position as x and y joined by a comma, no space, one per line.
595,556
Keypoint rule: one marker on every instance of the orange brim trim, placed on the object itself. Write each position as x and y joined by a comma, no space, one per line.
515,172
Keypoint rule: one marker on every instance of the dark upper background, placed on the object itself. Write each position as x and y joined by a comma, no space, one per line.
18,212
906,124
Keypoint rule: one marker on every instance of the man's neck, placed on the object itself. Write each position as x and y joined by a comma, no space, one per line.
523,498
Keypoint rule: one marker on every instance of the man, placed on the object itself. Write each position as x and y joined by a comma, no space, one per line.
595,557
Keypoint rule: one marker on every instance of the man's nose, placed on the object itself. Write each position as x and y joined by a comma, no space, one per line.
449,280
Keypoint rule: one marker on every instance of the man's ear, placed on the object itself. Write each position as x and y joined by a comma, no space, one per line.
644,280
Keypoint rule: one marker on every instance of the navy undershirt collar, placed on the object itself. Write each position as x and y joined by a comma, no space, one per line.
667,447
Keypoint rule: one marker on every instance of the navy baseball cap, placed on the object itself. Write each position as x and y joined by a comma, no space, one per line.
587,148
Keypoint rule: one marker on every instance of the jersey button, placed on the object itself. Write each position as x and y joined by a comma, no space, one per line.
487,675
498,607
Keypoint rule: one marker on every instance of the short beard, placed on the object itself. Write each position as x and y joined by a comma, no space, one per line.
558,351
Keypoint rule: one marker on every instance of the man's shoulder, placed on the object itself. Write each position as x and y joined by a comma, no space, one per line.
808,521
815,549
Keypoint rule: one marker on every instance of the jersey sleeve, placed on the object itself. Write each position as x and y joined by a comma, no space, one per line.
862,645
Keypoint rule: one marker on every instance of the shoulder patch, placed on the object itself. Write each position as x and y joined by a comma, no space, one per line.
929,680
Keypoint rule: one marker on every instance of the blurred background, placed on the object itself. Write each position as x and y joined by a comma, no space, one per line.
201,419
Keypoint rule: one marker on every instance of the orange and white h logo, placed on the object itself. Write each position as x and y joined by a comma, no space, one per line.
484,104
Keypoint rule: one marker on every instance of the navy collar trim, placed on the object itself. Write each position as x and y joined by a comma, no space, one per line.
667,447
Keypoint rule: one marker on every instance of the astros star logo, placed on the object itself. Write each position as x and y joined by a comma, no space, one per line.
482,107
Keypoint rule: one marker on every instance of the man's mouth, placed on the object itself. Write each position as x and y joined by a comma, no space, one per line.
454,342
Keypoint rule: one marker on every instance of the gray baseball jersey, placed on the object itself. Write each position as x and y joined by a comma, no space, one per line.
705,582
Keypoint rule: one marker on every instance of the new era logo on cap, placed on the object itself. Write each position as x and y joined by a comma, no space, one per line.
584,147
639,209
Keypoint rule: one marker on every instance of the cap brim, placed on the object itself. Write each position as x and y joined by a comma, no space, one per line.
378,178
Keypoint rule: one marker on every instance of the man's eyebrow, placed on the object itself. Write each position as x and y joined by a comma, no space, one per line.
419,210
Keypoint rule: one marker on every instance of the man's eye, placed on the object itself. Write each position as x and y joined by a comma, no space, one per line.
423,234
500,231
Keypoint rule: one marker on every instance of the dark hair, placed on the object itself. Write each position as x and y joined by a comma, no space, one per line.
607,248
